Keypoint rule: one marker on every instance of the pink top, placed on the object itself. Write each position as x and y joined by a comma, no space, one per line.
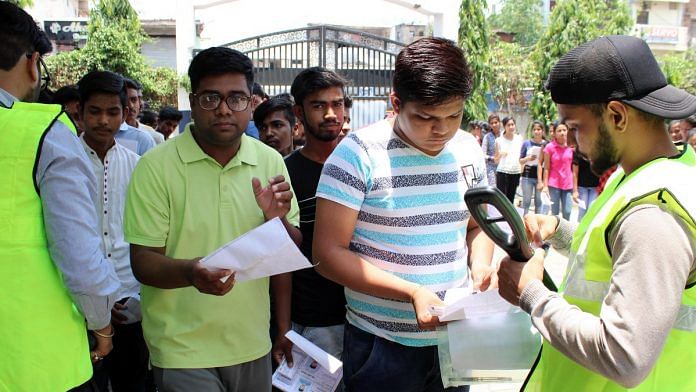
561,172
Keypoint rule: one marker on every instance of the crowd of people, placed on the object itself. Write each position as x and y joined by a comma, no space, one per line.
106,210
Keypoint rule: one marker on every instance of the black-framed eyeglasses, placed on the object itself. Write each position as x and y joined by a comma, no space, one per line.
43,70
211,101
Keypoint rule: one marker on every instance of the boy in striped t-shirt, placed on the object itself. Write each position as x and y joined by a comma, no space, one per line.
392,226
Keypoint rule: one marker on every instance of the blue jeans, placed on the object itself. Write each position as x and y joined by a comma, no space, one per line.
588,195
371,363
329,339
529,188
558,197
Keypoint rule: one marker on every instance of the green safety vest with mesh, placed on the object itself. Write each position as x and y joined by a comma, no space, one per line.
669,184
43,341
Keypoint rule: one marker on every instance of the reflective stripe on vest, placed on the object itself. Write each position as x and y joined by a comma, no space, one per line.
43,337
664,182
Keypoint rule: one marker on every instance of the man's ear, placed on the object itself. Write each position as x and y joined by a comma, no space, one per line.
32,67
617,113
299,113
395,101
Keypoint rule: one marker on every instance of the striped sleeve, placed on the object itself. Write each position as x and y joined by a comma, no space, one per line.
345,178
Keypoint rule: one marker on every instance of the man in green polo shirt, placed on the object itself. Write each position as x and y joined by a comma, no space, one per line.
187,198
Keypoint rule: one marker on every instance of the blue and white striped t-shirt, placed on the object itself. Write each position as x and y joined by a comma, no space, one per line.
412,219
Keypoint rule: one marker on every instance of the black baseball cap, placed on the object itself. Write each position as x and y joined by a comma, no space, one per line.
617,68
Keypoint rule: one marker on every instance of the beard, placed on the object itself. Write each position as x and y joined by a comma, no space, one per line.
605,153
324,136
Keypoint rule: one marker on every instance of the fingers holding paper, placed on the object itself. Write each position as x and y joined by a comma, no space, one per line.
209,281
423,300
274,199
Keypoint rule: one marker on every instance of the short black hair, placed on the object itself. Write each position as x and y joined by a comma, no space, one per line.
66,94
312,80
287,96
104,82
507,120
272,105
347,102
257,89
132,84
217,61
19,35
148,117
431,71
170,113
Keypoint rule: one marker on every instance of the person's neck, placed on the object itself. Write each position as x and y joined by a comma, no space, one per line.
100,148
132,122
537,140
509,135
221,154
317,150
646,149
8,82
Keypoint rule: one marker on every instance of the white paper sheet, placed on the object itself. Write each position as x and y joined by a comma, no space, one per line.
264,251
536,151
463,303
313,369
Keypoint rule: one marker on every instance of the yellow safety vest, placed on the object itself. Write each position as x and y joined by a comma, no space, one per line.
43,341
669,183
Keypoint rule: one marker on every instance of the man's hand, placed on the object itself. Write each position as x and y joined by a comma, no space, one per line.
540,227
282,347
116,316
422,299
274,200
484,276
104,343
514,276
208,282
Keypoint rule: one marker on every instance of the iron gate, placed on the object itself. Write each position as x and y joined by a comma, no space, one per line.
366,60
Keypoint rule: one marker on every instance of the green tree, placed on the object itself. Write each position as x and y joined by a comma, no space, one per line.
114,40
22,3
512,71
473,39
680,69
521,17
573,22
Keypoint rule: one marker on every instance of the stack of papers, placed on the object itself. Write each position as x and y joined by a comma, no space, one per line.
313,369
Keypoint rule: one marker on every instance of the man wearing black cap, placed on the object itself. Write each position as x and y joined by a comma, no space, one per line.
627,314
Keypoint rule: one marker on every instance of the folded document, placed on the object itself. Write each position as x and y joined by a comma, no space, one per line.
313,369
264,251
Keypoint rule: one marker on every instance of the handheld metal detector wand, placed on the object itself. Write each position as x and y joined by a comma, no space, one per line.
515,242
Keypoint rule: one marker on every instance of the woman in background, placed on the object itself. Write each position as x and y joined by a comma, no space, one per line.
558,176
507,157
532,182
488,146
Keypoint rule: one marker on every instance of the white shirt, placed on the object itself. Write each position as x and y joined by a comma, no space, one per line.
113,177
156,136
510,163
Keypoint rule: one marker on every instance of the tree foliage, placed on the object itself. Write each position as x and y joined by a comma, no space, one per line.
22,3
572,23
521,17
512,71
473,39
114,40
680,69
